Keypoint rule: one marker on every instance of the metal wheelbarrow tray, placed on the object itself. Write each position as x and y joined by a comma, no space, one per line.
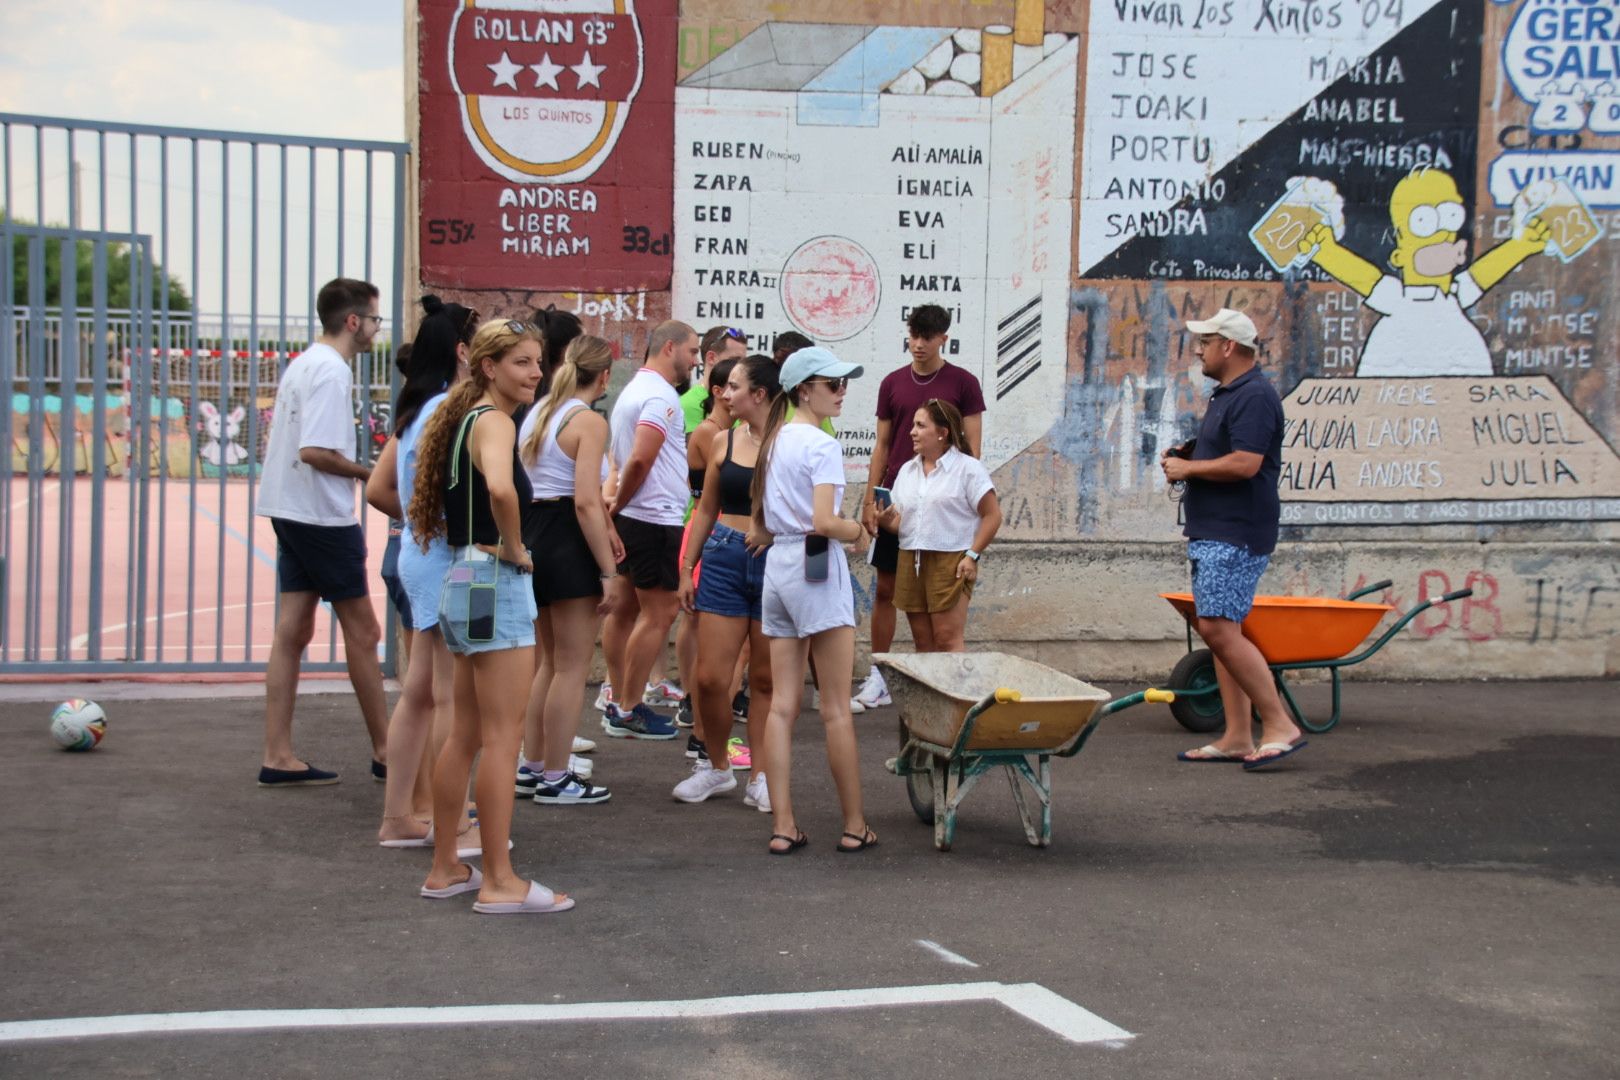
963,714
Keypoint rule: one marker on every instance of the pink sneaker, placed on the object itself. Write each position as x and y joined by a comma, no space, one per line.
741,759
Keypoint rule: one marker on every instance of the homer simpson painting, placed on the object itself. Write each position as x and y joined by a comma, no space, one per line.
1424,329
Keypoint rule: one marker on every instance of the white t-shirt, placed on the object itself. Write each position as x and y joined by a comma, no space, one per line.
802,457
1424,331
649,399
940,511
314,407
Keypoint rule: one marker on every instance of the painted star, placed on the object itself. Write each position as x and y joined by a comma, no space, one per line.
505,71
589,74
545,73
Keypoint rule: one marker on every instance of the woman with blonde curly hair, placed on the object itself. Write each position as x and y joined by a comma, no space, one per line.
472,490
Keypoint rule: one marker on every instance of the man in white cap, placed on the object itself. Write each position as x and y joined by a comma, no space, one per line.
1231,472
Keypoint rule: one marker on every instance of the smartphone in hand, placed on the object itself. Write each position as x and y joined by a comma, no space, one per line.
815,558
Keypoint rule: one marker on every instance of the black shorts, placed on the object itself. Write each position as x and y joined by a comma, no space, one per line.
652,553
886,552
326,559
564,568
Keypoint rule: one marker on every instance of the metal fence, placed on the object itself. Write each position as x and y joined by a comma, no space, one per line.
128,541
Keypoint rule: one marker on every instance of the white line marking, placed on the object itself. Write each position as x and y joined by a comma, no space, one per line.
945,954
1034,1002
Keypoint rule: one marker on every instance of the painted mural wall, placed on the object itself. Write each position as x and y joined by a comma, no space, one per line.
1416,200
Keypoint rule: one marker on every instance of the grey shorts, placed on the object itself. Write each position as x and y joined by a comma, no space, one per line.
792,607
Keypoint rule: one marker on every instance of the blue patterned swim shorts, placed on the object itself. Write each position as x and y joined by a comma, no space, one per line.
1224,577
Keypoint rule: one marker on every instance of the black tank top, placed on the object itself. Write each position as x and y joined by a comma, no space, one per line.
736,483
468,516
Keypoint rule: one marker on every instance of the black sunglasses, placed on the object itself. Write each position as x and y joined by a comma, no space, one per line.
834,385
517,327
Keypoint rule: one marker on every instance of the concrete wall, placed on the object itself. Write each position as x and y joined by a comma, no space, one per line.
1074,180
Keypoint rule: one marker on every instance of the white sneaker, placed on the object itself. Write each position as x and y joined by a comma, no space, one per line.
855,705
874,692
603,697
703,782
757,796
583,745
580,767
664,692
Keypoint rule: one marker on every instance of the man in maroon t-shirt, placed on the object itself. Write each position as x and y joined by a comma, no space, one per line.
900,395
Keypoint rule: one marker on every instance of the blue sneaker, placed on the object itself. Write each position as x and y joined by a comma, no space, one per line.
639,723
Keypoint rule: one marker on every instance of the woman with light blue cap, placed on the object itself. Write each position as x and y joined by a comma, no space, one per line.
808,605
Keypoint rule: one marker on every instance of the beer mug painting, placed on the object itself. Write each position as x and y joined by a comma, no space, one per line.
1571,225
1283,228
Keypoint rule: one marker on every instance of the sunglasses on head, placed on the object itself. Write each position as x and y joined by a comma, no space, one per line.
734,334
517,327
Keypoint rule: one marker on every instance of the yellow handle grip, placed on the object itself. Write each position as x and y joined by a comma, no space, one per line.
1159,697
1004,695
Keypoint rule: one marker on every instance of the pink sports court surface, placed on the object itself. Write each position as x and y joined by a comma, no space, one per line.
210,574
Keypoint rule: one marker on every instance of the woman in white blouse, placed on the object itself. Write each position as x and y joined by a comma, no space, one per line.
946,512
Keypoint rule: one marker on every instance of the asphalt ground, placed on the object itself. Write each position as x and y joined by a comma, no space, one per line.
1430,890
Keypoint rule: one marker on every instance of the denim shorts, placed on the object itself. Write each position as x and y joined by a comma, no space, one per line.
422,574
1224,577
390,575
733,581
514,603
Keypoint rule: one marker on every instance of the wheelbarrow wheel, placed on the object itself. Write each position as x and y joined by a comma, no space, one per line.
1202,714
919,781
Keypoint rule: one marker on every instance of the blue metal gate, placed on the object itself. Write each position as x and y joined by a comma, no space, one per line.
156,281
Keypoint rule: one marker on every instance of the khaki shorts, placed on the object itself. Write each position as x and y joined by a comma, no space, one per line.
926,581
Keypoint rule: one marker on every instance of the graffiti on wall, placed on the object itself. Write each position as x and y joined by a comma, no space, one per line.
1344,201
1417,201
545,143
831,177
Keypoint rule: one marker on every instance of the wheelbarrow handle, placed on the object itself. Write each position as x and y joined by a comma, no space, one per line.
1377,586
1458,595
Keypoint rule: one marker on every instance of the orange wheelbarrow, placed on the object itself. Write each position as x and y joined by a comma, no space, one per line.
1293,633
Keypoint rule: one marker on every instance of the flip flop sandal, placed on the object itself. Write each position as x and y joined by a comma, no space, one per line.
474,882
540,901
1272,752
1210,755
869,840
794,843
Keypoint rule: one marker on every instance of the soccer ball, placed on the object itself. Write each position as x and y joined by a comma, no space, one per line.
78,724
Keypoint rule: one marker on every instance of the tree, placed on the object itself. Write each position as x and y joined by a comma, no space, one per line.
120,288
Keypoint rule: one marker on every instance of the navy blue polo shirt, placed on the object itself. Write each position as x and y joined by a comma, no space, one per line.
1246,415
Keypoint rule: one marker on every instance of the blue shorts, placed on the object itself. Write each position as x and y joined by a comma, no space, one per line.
422,575
1224,577
514,603
390,575
329,560
733,582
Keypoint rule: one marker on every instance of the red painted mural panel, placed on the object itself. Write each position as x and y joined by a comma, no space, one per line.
547,138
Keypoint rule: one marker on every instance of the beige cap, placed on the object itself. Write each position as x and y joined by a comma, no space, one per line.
1229,324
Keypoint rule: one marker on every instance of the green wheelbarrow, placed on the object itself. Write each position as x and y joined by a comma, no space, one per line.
964,714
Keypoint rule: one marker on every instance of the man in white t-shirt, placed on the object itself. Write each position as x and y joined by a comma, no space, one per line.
307,490
649,510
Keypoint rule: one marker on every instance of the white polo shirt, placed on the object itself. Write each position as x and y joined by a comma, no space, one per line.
314,407
649,400
940,511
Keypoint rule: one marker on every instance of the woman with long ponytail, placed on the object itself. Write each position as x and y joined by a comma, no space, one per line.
472,492
563,443
438,361
807,605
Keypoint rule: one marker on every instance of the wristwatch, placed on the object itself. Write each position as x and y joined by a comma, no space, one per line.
970,553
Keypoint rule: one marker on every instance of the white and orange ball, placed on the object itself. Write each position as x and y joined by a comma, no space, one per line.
78,724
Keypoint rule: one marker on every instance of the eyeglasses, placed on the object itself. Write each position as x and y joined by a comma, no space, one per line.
834,385
377,320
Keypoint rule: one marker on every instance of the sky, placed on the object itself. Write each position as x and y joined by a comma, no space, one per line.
272,66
